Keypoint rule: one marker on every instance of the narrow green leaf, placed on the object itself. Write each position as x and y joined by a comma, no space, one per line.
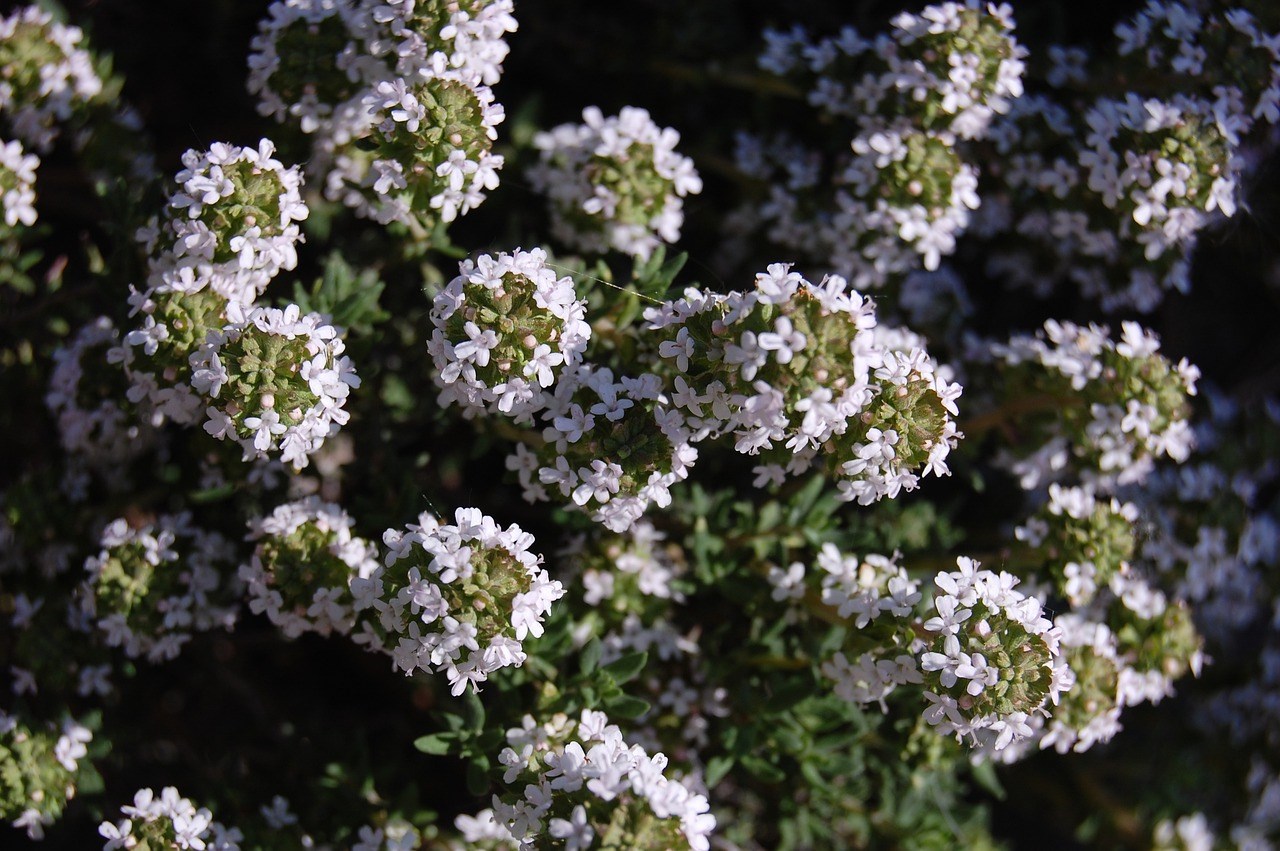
590,658
627,668
627,707
436,744
717,768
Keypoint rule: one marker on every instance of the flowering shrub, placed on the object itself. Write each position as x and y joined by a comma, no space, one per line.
821,436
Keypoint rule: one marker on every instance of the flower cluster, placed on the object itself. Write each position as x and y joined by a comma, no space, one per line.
910,185
430,154
306,64
17,184
1089,713
467,36
87,397
800,375
858,589
579,782
504,329
149,588
992,660
952,67
231,224
1083,540
621,571
1155,634
314,61
275,380
1108,407
871,677
1206,47
286,378
906,193
753,567
46,75
303,568
1208,534
614,183
1119,211
611,445
169,821
41,768
398,96
458,598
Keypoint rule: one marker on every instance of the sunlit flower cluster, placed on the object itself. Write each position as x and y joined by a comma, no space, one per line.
614,183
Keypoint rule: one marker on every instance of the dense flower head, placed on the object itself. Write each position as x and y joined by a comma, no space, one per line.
860,589
304,565
952,67
1083,540
167,821
233,219
910,186
813,673
46,75
1207,47
87,396
429,154
611,445
467,36
1114,202
17,184
614,182
906,193
458,598
149,588
1089,713
275,380
1155,634
625,572
800,375
315,61
992,660
1209,535
581,783
396,94
958,61
306,62
41,766
894,201
176,319
863,589
1109,407
504,329
230,227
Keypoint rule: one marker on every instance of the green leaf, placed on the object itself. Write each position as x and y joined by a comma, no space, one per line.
804,501
763,769
436,744
770,516
590,658
627,668
717,768
348,297
627,706
654,277
478,777
473,710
